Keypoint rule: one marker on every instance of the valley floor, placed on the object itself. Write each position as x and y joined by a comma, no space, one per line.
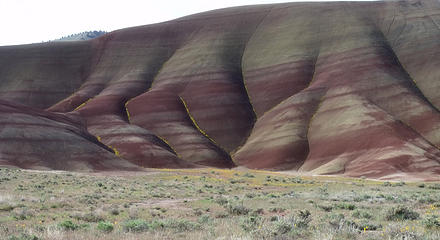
213,204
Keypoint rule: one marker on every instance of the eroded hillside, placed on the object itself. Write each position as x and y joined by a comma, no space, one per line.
346,88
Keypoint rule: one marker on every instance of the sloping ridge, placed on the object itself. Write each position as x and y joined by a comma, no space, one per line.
346,88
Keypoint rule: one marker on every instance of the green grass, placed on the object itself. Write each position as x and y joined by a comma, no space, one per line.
211,204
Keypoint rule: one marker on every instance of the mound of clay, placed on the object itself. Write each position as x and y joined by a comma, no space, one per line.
347,88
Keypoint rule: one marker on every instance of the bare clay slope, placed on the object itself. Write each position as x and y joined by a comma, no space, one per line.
346,88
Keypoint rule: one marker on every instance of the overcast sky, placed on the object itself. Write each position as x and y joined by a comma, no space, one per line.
31,21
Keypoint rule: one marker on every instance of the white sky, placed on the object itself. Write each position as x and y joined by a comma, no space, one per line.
32,21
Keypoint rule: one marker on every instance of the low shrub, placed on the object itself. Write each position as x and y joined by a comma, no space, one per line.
6,207
336,221
89,217
346,206
250,195
434,186
387,184
361,214
204,219
400,213
114,211
249,224
303,219
178,225
257,212
221,215
367,226
248,175
298,180
23,236
284,225
105,226
222,201
277,210
68,225
22,213
135,225
239,209
399,184
326,208
431,222
426,200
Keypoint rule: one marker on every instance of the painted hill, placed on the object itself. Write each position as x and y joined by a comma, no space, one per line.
348,88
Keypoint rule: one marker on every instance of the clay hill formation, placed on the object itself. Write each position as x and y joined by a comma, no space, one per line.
349,88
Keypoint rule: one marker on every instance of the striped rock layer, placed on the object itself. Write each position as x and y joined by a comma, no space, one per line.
350,88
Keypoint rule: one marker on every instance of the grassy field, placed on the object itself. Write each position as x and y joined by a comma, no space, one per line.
213,204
